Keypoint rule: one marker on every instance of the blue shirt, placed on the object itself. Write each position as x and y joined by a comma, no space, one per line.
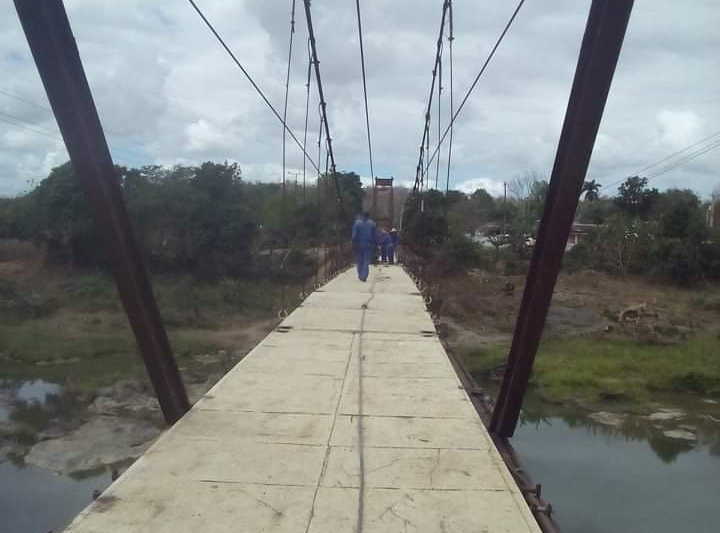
363,232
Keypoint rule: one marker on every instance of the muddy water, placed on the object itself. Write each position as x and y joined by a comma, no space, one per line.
33,500
600,479
630,479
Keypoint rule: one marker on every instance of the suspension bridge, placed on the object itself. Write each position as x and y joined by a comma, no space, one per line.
350,415
347,417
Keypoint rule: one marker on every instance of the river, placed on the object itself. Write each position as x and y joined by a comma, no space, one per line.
34,500
628,479
600,479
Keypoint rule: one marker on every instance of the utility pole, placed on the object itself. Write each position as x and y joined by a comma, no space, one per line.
504,208
604,33
53,47
296,173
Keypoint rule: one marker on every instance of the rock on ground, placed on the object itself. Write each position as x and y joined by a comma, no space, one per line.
680,434
666,414
102,441
607,419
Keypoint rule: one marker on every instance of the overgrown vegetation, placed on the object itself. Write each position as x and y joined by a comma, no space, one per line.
225,256
640,248
81,336
593,369
205,221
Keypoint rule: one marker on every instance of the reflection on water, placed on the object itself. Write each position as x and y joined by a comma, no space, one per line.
33,500
631,478
34,393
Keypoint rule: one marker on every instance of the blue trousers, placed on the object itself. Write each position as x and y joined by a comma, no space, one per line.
390,253
363,255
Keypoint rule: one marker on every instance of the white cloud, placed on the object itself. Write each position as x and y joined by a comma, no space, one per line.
679,128
470,186
167,93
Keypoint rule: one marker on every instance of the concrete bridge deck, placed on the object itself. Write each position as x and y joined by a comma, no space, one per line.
348,418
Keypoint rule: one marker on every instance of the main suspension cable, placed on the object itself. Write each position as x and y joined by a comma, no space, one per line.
323,104
477,78
367,113
451,38
307,114
287,92
424,143
439,124
252,81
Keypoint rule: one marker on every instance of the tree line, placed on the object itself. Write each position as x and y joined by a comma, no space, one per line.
638,230
205,220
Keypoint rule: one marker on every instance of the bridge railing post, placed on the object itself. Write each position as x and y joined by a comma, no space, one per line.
56,55
601,45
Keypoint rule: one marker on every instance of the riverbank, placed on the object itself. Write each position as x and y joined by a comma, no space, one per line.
609,343
74,395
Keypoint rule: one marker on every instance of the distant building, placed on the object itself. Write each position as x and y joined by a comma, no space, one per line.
578,232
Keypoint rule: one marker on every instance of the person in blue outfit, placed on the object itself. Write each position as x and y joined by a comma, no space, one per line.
394,240
383,241
364,244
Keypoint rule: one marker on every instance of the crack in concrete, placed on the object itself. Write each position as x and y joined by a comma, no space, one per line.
434,468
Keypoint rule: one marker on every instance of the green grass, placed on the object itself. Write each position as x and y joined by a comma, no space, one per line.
482,360
590,369
84,339
88,354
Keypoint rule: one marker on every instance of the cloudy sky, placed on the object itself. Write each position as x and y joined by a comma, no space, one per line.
168,94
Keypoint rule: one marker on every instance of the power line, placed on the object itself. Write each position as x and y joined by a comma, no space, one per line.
323,104
686,159
666,158
21,99
362,63
477,78
647,167
22,123
250,79
29,126
425,142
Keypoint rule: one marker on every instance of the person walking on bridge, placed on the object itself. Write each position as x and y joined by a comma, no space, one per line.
392,247
383,241
364,244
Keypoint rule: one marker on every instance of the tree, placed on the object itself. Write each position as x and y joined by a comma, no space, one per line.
482,198
635,198
592,190
596,211
62,220
679,215
424,220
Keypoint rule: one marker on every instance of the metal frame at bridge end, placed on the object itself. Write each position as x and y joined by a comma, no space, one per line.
56,55
604,33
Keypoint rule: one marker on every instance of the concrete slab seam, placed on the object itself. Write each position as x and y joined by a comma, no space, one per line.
329,438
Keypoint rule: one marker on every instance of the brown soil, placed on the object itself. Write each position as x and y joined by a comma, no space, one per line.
479,307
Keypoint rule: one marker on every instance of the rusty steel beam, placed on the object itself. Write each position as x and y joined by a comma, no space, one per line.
601,45
53,47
